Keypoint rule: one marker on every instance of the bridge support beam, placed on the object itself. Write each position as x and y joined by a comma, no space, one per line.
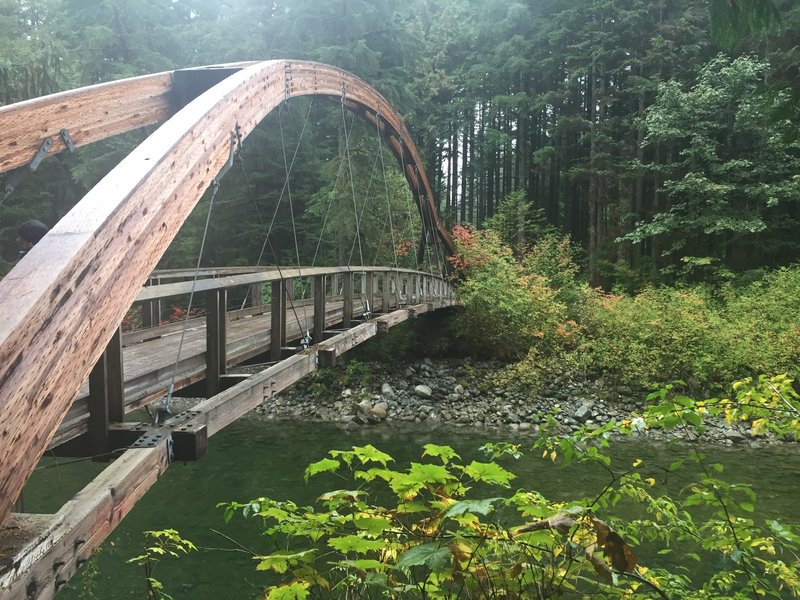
216,339
278,315
106,395
347,291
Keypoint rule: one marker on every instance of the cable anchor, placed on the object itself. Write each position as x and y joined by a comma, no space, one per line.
236,146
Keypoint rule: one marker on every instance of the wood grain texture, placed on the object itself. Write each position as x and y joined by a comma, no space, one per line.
88,114
62,302
51,555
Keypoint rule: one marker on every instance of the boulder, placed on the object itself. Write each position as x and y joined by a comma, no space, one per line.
584,413
423,391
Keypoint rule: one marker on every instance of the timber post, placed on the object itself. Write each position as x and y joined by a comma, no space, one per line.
257,295
216,339
106,395
385,285
369,291
277,335
347,311
335,285
319,308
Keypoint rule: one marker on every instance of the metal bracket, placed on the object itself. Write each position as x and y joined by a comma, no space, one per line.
40,154
236,137
287,92
68,142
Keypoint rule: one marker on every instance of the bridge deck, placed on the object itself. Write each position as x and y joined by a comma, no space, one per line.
149,355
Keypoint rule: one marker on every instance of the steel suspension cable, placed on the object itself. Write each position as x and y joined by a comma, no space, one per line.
167,403
352,184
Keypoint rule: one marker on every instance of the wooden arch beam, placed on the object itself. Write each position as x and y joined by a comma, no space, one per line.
63,301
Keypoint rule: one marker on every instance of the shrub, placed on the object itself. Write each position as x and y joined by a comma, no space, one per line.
654,337
762,326
506,310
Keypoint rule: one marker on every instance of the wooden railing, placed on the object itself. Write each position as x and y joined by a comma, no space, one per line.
336,296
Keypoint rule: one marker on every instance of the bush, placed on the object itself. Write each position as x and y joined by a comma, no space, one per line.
507,310
762,326
657,336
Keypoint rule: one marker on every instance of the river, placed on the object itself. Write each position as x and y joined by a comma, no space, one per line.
256,457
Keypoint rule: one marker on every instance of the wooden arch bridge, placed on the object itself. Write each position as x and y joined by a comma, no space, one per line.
68,376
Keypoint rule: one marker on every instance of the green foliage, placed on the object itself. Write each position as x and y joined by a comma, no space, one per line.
506,310
451,529
734,172
703,335
159,545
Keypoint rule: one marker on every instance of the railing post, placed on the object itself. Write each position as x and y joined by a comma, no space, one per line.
385,285
216,339
335,284
277,333
347,291
369,292
106,394
257,294
319,308
151,310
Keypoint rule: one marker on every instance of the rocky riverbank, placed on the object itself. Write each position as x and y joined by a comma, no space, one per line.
461,394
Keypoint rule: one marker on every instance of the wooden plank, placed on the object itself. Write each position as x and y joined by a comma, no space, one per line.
50,557
347,292
85,113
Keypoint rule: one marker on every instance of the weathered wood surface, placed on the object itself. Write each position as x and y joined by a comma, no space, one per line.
98,256
88,114
58,543
150,366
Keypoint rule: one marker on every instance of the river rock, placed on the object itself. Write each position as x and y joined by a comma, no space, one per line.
459,389
423,391
734,436
388,392
585,412
380,410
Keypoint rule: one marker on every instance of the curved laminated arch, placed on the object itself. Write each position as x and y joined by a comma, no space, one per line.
63,301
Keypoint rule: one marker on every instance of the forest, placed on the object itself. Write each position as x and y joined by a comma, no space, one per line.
621,179
665,153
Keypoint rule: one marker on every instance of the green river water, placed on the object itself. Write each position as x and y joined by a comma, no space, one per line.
255,458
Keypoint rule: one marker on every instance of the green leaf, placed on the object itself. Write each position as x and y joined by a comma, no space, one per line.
323,466
372,525
747,506
297,590
354,543
489,472
280,562
693,419
433,556
370,453
446,453
364,564
427,473
478,507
